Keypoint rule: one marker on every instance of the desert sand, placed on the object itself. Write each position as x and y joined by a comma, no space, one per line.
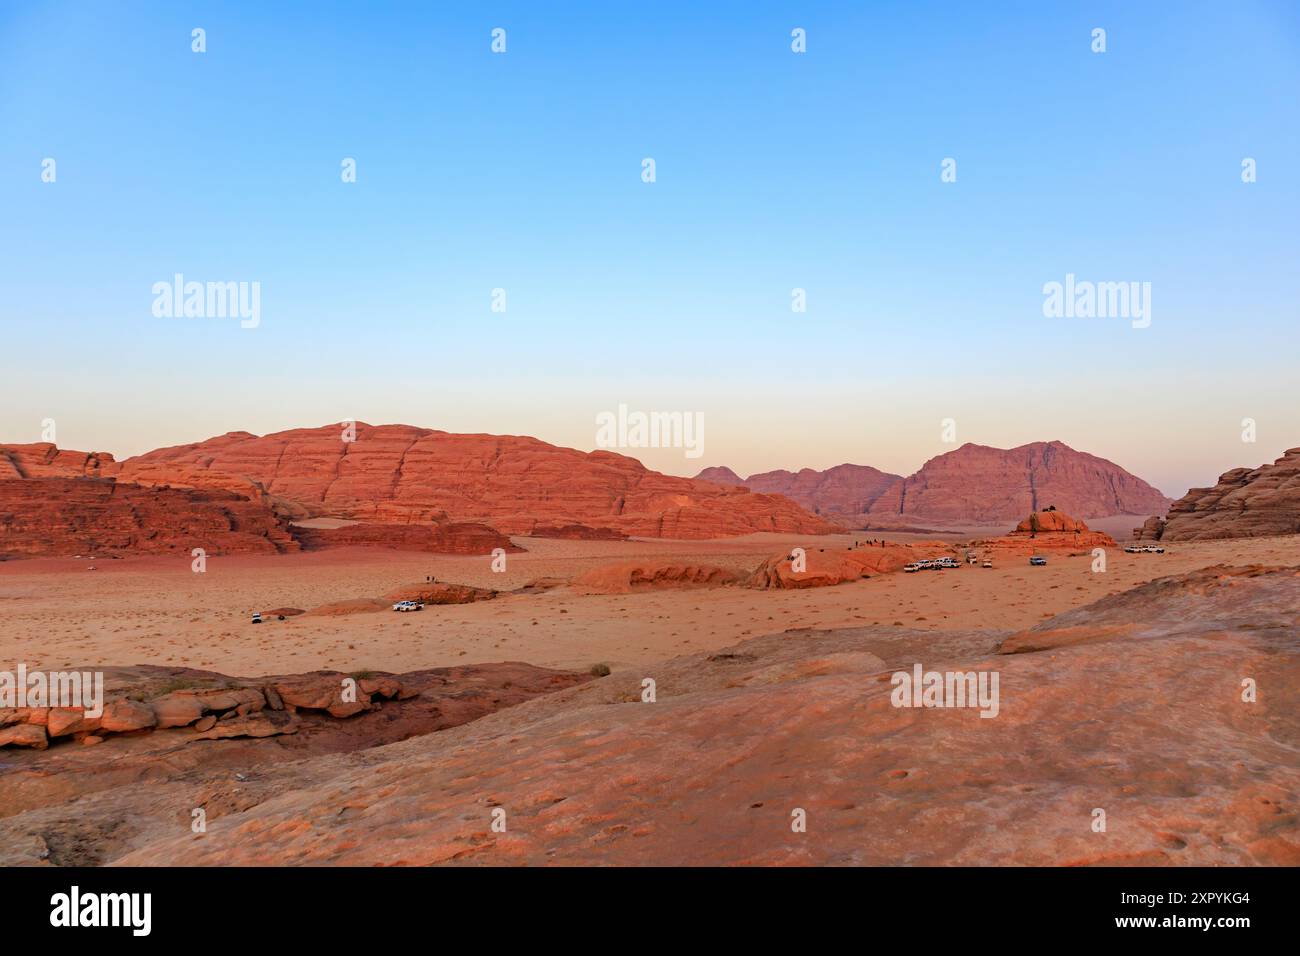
155,610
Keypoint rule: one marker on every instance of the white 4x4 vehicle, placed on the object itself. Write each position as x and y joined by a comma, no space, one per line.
408,606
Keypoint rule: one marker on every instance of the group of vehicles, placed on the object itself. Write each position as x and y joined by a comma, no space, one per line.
939,564
934,564
404,606
1144,549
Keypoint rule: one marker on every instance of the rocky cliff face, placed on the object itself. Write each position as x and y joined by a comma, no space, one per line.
43,460
977,484
65,516
1246,503
398,473
842,491
441,537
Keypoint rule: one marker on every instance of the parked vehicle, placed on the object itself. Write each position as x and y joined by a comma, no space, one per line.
949,562
913,567
257,617
404,606
988,564
1037,561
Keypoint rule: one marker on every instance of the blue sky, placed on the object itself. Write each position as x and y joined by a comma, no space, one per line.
774,170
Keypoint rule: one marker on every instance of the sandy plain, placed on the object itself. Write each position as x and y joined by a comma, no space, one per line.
55,613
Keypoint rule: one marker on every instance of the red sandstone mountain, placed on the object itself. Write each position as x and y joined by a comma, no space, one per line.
845,490
721,475
977,484
1246,503
55,502
399,474
59,502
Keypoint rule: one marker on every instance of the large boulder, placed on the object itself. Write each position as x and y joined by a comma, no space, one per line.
124,715
24,735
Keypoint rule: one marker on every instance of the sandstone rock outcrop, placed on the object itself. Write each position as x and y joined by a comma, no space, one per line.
1218,598
441,537
44,460
576,532
624,578
64,807
830,566
216,707
1246,503
438,593
398,473
976,484
51,516
843,491
1046,531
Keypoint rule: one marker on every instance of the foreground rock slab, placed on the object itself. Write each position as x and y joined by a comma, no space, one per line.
87,805
1150,727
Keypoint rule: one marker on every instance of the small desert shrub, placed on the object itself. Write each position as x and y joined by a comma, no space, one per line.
600,670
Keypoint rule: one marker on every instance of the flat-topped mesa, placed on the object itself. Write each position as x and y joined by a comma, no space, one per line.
399,474
1246,503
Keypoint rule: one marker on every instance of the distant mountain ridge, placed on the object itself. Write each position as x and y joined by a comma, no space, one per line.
844,490
973,484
